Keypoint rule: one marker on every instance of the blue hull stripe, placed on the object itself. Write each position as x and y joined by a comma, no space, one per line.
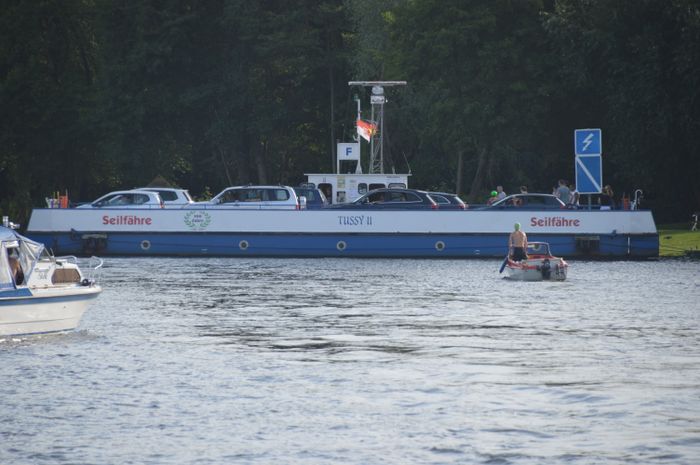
40,300
348,245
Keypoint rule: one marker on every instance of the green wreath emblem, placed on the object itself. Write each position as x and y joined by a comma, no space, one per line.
197,220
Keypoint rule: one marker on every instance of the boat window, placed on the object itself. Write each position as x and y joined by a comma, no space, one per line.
65,276
362,188
17,264
376,186
6,281
397,185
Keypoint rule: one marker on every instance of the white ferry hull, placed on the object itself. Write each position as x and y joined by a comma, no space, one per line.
330,233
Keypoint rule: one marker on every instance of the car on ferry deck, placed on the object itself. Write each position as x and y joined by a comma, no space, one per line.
390,199
315,199
254,197
127,199
527,202
447,201
171,196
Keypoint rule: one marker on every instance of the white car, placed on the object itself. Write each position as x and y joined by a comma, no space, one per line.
255,197
127,199
171,196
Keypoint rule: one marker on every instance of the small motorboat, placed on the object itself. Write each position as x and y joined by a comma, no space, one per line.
40,293
540,265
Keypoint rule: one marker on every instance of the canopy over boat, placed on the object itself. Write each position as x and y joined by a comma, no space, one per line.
28,252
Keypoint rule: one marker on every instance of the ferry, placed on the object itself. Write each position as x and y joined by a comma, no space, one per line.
215,230
193,231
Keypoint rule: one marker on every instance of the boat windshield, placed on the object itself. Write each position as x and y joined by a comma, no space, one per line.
538,248
6,280
29,253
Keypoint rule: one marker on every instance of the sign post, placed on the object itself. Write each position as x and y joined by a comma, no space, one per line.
588,147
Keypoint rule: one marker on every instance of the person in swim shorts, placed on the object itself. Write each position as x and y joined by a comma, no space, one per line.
517,244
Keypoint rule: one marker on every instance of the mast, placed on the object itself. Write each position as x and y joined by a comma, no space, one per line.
376,160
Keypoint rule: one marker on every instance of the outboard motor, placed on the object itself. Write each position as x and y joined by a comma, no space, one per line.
546,269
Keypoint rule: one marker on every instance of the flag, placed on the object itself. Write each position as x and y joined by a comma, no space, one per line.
365,129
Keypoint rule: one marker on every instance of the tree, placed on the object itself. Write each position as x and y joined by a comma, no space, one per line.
47,93
480,69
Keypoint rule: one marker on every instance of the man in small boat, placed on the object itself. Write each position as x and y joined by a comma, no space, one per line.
517,243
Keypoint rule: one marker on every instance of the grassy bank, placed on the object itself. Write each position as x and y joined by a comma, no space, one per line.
676,239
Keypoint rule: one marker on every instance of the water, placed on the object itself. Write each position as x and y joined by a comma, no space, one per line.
320,361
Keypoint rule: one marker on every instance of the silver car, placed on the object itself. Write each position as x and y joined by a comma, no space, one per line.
127,199
255,197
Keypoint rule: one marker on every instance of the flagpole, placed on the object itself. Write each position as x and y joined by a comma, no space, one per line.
377,99
356,137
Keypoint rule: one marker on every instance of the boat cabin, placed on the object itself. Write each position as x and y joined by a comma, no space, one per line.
349,183
343,188
18,257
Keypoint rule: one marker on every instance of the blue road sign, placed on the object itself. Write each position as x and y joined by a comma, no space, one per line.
588,142
589,174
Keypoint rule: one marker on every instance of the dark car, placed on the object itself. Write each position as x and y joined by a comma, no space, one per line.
528,202
448,201
315,199
391,199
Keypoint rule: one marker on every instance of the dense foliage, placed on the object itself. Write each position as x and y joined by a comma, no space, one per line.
103,94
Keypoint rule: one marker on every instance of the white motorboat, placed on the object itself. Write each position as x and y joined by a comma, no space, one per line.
540,265
40,293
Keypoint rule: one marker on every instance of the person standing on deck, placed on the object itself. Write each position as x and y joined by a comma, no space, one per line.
517,244
563,192
500,194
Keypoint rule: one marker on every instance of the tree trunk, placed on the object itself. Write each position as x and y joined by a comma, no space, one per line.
224,163
260,163
477,182
460,167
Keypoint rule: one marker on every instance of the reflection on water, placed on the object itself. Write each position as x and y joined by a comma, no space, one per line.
211,361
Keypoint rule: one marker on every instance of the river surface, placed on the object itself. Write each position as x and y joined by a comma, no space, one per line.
353,361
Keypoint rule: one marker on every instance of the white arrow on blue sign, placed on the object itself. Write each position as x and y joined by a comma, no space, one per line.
589,174
588,145
588,142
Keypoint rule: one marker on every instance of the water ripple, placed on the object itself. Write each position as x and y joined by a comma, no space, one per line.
258,361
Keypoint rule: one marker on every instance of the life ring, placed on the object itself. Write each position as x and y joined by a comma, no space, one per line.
243,245
439,246
341,245
145,245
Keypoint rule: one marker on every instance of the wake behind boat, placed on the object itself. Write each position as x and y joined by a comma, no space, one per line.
40,293
540,265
